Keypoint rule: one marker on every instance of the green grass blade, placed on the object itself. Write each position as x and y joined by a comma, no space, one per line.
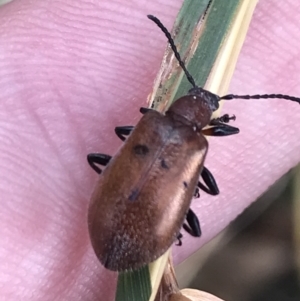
134,285
209,47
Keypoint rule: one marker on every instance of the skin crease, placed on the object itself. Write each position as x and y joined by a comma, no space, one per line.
71,72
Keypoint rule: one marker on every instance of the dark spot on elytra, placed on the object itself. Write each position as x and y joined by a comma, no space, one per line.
164,164
141,149
133,196
185,184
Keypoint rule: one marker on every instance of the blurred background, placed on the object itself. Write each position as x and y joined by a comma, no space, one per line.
257,258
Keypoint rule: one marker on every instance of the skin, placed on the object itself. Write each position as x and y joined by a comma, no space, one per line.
71,72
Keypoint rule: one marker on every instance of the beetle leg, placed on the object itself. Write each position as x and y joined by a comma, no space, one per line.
179,236
193,227
209,180
123,131
211,184
145,110
101,159
221,130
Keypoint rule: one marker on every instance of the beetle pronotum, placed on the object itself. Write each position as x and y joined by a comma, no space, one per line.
144,195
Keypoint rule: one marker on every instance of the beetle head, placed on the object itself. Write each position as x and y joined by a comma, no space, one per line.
211,99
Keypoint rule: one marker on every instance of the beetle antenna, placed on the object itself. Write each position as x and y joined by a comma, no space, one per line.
257,96
174,48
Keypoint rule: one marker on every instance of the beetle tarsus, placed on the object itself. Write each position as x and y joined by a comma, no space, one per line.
179,243
222,119
197,193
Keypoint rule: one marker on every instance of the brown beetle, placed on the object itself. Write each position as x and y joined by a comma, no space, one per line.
144,194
